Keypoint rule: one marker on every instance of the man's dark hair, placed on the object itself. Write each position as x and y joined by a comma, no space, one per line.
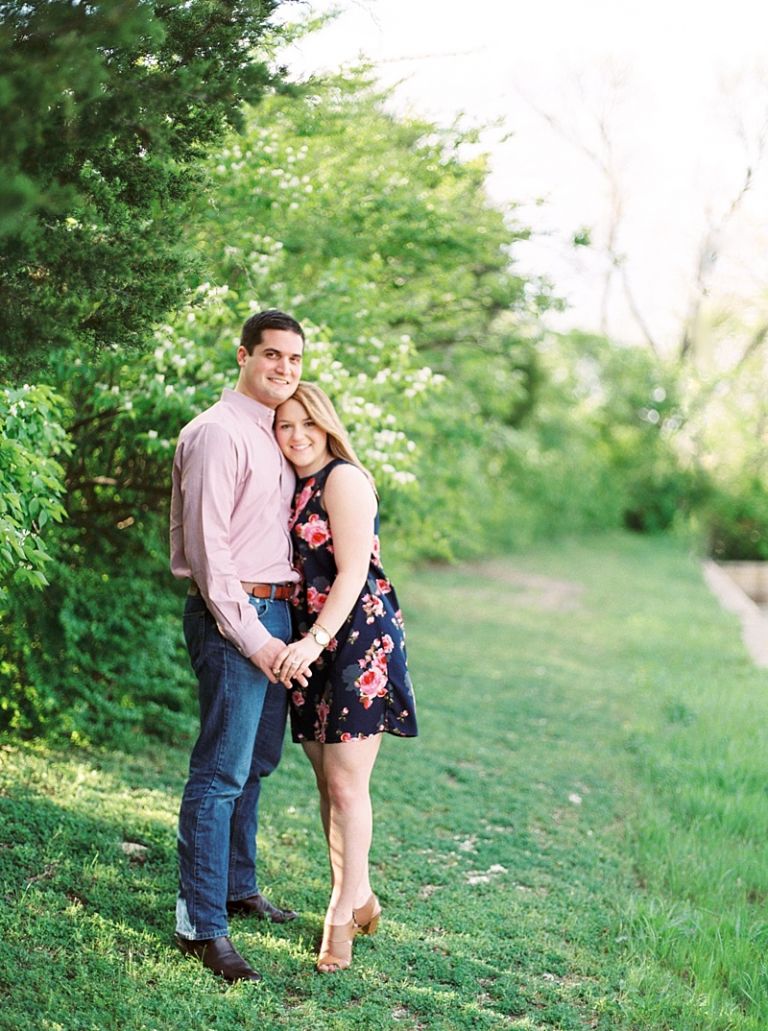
270,319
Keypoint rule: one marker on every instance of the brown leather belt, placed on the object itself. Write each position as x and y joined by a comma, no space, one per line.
275,592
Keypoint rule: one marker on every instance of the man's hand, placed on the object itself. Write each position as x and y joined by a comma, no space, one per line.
266,660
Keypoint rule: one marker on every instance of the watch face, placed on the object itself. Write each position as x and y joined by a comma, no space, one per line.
320,635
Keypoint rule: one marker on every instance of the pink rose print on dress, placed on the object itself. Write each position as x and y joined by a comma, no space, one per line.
315,599
297,697
384,586
372,607
301,501
376,550
315,531
380,661
376,657
387,643
322,709
371,684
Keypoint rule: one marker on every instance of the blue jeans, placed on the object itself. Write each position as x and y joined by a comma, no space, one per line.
242,725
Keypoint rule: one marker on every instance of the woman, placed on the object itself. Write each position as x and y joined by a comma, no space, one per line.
353,641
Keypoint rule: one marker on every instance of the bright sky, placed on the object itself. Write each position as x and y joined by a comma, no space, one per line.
676,83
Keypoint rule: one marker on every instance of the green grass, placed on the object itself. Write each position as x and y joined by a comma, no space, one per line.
577,840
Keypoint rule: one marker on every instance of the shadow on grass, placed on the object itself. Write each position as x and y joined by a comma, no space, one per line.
53,859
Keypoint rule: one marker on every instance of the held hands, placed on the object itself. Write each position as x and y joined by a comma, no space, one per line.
294,661
266,658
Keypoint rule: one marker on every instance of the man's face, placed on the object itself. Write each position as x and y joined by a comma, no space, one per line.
271,374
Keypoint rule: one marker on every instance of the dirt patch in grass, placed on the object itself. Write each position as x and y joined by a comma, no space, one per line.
543,592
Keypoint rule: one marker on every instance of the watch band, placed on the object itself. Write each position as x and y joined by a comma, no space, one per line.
320,634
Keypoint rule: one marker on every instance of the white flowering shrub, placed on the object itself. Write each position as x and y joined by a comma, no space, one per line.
194,359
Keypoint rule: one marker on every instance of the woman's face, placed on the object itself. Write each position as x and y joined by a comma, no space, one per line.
303,443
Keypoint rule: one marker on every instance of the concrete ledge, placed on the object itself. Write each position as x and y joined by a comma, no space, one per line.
751,577
754,625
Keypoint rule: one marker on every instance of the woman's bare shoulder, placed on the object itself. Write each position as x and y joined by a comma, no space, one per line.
347,482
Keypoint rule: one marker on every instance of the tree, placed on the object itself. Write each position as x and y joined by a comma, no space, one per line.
105,110
376,223
713,355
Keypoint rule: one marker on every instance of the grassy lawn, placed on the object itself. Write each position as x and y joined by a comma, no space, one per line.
577,840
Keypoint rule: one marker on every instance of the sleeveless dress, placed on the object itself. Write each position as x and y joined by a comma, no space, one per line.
360,684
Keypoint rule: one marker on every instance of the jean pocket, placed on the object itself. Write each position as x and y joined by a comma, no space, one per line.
195,626
261,605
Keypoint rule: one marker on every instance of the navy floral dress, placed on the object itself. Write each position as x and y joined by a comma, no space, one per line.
360,684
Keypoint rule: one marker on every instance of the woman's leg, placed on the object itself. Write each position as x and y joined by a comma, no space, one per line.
314,752
346,773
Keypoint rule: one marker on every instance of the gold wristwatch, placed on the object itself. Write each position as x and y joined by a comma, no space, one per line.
320,634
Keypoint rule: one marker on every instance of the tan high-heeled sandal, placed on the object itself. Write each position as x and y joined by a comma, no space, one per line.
367,917
336,947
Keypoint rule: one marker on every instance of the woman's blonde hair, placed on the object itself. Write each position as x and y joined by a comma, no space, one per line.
319,408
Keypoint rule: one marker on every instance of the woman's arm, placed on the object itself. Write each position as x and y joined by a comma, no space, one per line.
351,506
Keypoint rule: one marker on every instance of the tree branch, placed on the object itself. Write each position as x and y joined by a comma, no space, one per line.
756,341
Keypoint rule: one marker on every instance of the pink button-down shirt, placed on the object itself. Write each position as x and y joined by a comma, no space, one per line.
231,501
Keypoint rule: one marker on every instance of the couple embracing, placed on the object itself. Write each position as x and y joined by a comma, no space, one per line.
274,523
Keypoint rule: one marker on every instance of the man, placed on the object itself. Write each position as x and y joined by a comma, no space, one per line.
232,492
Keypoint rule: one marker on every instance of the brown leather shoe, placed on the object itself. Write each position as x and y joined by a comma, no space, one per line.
258,906
220,956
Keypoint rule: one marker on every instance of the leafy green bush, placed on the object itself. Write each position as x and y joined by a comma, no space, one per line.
31,480
735,522
662,497
98,656
604,428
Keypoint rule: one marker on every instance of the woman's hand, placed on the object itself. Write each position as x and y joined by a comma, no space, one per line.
295,659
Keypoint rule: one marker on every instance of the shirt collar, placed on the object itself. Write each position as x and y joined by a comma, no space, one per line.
255,410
